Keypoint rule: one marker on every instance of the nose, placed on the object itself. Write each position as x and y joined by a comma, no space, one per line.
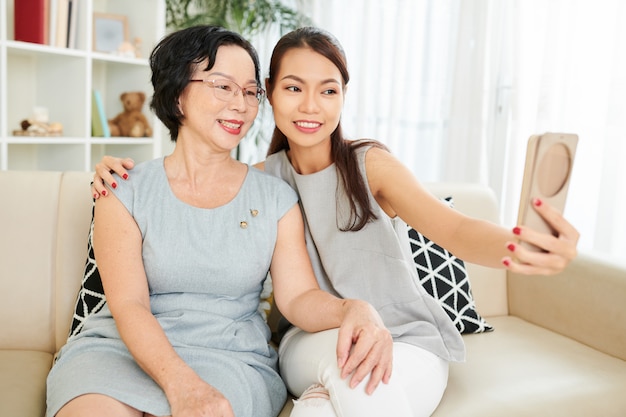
309,102
239,100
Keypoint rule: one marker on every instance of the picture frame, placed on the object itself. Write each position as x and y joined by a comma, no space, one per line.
109,32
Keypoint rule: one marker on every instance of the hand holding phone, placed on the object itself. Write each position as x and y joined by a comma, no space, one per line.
549,162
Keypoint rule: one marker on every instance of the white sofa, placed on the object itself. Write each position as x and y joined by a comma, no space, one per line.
558,348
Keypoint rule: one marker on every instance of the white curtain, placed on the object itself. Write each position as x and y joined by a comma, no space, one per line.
569,74
455,88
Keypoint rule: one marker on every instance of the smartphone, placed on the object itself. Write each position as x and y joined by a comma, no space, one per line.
547,173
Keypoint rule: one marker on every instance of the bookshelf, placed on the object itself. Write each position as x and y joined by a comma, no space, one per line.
61,80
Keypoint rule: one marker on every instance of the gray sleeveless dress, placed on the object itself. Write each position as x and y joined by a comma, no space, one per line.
374,264
205,273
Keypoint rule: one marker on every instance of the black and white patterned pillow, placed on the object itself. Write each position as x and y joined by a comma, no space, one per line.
444,276
91,296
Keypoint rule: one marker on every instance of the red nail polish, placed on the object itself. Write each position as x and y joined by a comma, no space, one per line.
537,202
125,176
517,230
114,185
511,247
104,192
506,262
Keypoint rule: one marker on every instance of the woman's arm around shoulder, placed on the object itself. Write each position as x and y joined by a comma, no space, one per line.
103,174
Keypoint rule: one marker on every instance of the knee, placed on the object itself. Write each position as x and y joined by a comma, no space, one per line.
314,402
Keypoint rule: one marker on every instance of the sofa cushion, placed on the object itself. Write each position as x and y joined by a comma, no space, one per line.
525,370
28,236
23,382
445,277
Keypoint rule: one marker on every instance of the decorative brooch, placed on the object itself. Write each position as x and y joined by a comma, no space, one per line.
244,224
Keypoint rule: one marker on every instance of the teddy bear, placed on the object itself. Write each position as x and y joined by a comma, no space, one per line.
131,122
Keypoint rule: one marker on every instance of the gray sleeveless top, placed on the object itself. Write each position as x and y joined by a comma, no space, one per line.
374,264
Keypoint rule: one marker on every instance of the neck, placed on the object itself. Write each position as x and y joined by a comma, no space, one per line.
192,164
309,160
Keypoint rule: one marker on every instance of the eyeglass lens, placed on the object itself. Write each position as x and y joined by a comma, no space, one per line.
227,90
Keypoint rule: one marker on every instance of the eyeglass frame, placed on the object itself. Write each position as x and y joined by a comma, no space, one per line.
259,97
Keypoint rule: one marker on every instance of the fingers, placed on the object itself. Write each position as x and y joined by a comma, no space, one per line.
344,345
566,231
103,174
371,354
557,251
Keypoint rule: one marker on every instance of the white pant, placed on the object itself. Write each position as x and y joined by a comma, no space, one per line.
417,383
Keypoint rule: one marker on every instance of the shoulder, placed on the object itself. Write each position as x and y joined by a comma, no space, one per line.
385,173
143,170
378,161
277,164
273,190
268,181
144,178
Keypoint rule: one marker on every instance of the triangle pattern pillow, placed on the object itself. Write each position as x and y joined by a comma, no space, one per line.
91,296
444,276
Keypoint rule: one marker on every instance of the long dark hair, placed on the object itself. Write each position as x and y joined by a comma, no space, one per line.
343,151
174,60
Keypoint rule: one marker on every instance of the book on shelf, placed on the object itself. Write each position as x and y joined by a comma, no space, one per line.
61,19
31,21
99,123
63,23
72,23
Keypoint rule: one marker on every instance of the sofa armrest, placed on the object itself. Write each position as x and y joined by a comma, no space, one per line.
585,302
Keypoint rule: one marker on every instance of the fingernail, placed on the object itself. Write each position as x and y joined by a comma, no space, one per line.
506,262
114,185
125,176
511,247
517,230
104,192
537,202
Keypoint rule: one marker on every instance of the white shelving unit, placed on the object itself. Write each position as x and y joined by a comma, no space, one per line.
62,80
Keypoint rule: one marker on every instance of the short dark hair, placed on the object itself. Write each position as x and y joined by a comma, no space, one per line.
173,62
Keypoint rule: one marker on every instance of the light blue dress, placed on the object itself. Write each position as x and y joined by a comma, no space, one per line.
206,269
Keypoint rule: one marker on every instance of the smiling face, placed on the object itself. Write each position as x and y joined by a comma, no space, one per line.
307,98
207,118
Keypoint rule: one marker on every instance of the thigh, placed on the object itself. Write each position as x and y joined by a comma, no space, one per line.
97,405
304,358
422,375
416,387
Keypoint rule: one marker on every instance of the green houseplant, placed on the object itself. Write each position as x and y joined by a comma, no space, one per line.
250,18
247,17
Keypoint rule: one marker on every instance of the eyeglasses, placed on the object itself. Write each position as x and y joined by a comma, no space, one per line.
227,90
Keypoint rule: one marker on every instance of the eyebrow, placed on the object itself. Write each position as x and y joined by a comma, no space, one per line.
217,73
298,79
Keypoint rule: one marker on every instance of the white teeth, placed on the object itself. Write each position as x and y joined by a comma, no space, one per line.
230,125
308,125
